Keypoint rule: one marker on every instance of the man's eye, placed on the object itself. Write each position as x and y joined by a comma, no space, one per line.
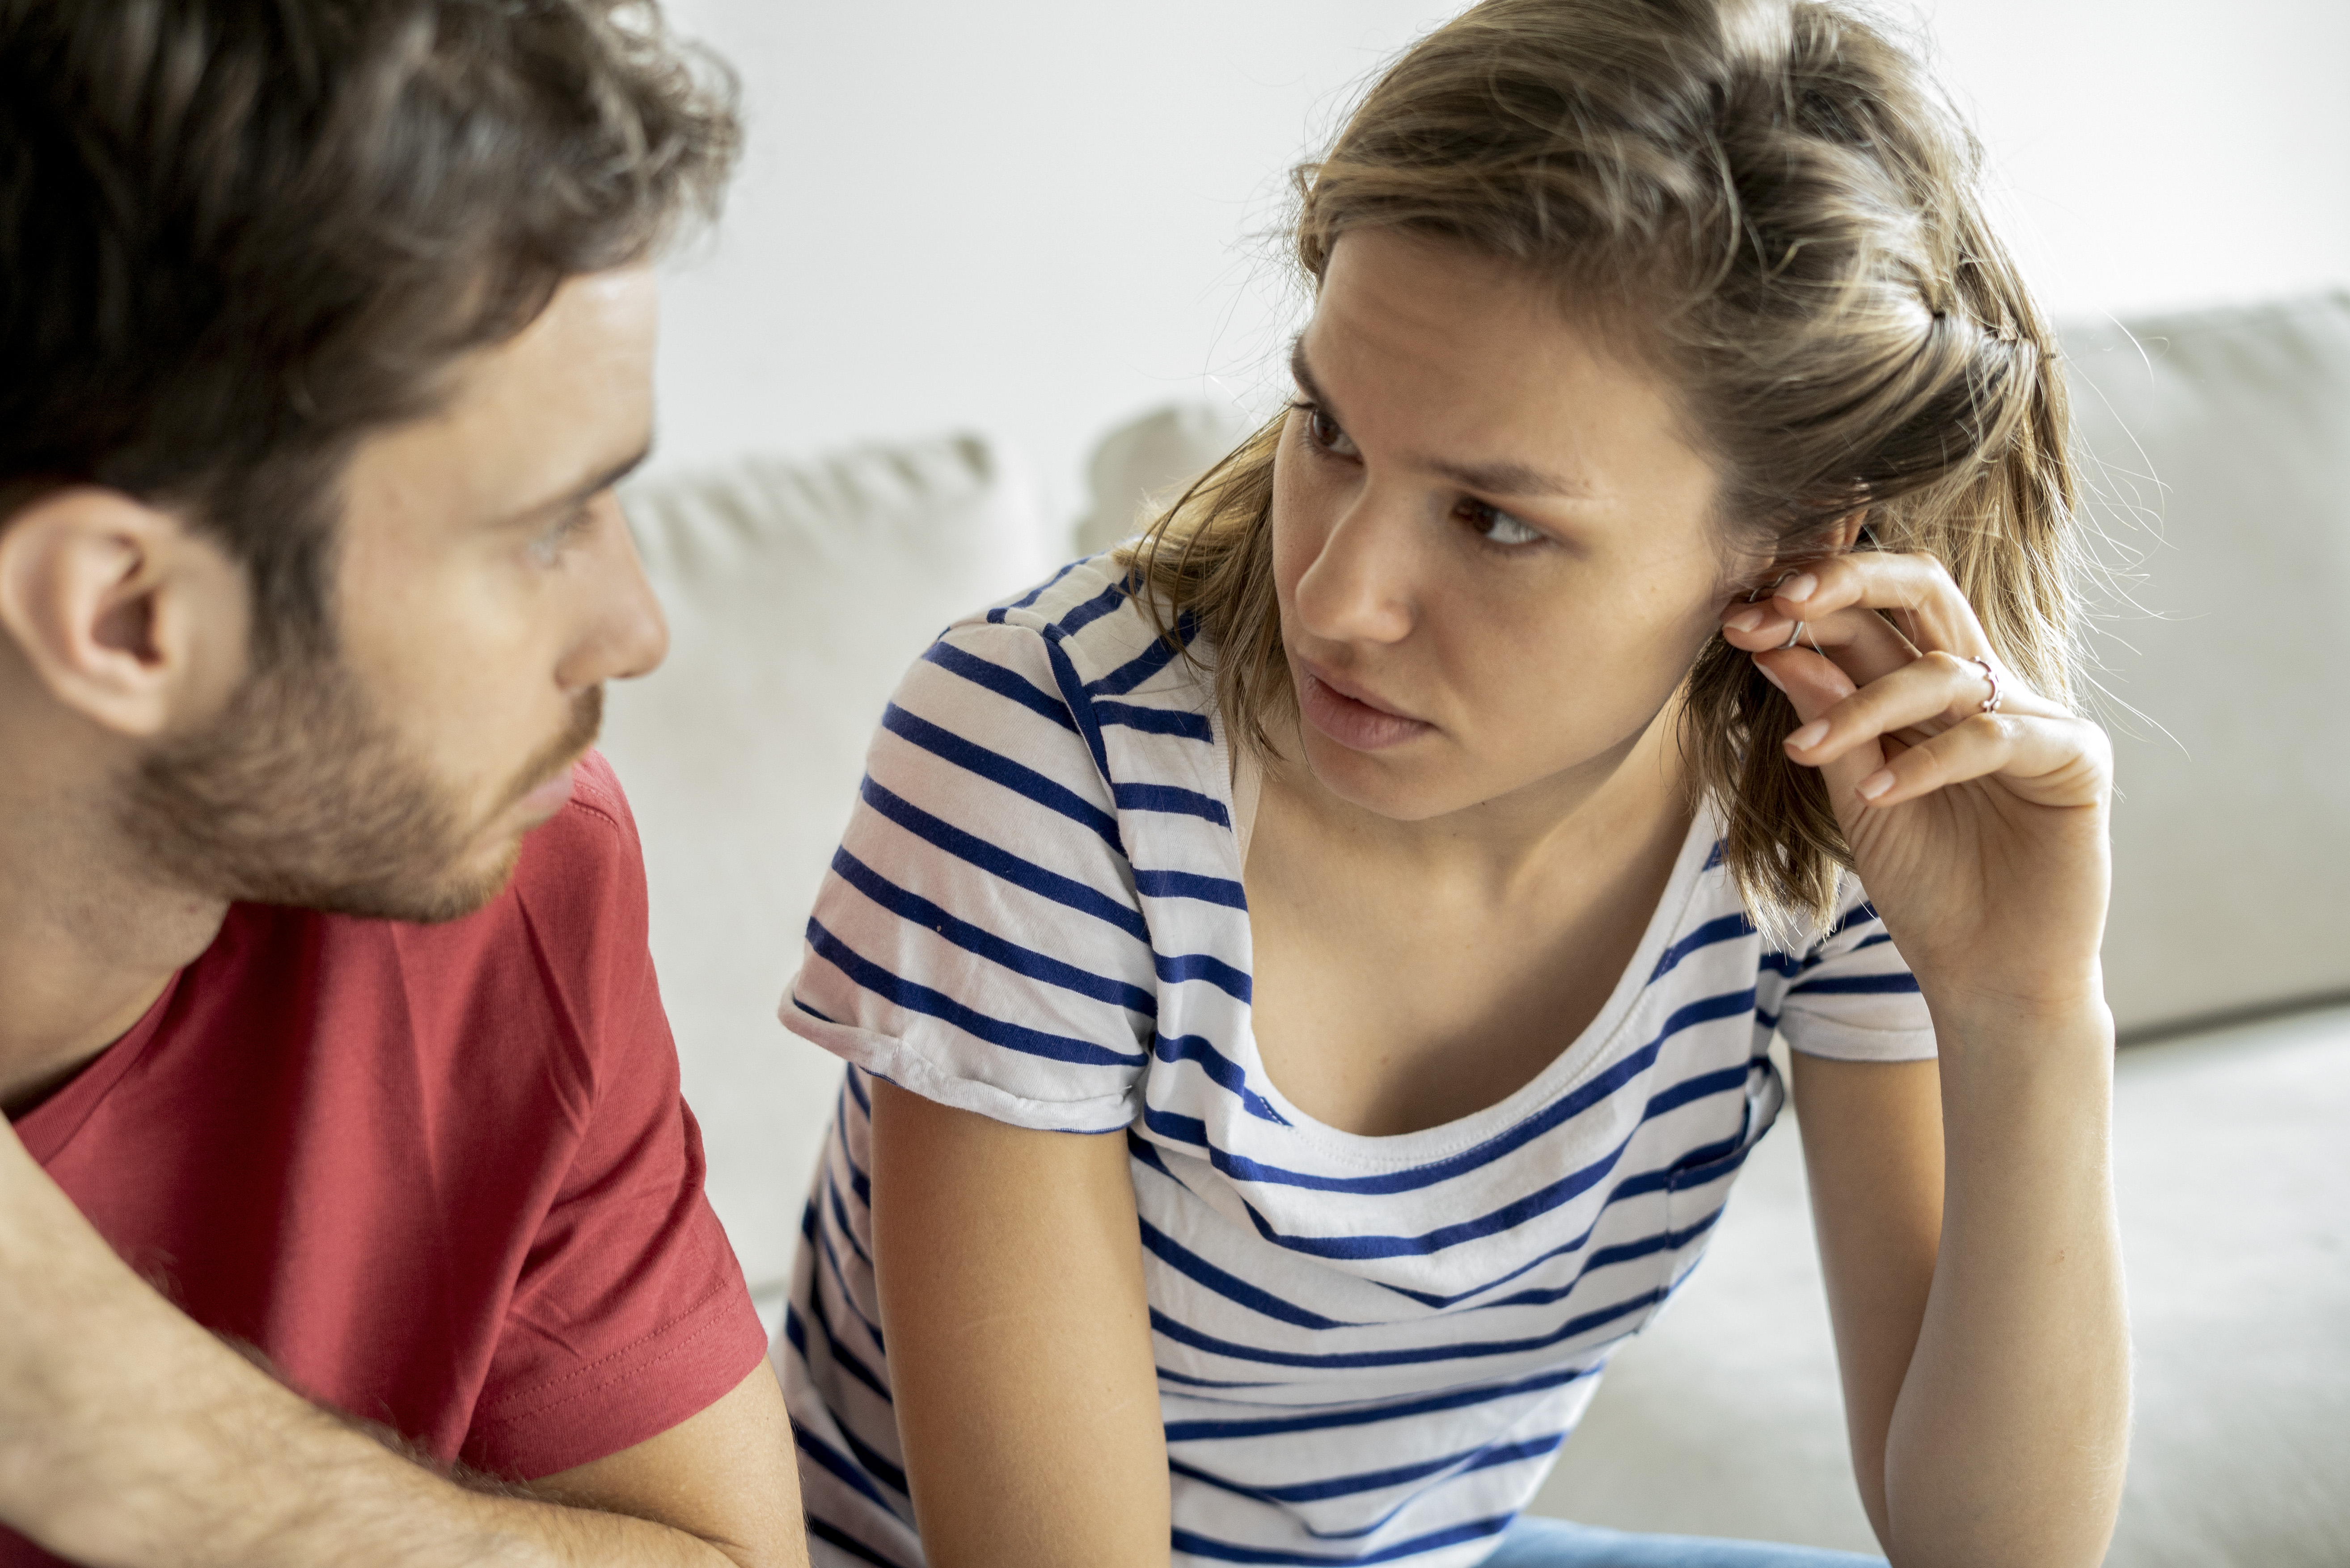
1497,526
549,547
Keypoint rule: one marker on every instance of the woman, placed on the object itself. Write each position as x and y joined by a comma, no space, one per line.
1379,890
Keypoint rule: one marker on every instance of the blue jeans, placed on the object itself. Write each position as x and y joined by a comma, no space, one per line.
1534,1542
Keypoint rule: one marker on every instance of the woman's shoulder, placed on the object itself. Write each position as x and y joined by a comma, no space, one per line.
1086,648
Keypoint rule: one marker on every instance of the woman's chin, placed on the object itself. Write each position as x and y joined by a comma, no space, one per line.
1396,784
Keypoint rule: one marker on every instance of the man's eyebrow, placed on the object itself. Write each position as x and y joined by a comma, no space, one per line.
594,485
1502,478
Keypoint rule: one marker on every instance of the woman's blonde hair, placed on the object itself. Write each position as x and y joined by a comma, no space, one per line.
1773,205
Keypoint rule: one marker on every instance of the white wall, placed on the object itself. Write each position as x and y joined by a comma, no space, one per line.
1034,217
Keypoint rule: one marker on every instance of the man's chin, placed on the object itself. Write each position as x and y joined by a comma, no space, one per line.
453,895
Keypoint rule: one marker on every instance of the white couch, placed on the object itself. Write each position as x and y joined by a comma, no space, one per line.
2221,471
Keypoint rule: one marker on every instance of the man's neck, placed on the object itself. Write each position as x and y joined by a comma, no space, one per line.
87,944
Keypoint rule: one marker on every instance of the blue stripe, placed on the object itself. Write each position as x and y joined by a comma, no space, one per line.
1435,1539
1220,1070
998,769
937,1004
1900,983
1413,1355
1091,610
1134,671
1081,707
1466,1463
1370,1416
1157,720
1728,928
1191,885
1170,798
1004,682
1038,592
795,1330
1190,1382
1508,1217
1231,1287
1177,968
832,1534
973,850
1567,1106
837,1465
917,910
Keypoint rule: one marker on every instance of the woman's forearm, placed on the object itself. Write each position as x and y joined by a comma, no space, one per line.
2009,1438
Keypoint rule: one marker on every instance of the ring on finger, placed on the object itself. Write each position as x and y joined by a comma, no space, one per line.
1990,703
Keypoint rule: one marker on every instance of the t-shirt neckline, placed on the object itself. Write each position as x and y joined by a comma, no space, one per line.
49,1127
1584,1052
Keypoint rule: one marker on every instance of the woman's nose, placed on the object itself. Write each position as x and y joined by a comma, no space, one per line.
1359,586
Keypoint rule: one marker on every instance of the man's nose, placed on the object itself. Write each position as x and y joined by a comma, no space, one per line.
627,634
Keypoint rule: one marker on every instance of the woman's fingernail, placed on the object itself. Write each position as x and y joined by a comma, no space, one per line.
1798,588
1810,735
1744,621
1875,784
1767,675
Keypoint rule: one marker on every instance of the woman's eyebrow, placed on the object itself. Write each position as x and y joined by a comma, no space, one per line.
1504,478
1497,478
1304,376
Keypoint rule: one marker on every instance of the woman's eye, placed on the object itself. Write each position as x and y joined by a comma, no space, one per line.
1323,431
1497,526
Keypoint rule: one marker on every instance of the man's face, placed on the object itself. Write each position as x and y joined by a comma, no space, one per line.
484,588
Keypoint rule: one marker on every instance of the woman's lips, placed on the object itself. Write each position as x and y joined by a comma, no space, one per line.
1352,722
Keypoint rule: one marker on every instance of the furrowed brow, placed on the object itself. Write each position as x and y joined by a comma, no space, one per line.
1502,478
1505,478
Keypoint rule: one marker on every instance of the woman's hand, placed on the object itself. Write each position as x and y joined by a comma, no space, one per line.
1980,836
1986,1359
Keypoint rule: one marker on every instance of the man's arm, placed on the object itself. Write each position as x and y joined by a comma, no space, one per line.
130,1437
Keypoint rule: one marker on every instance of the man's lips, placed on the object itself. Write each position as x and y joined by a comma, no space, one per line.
1351,714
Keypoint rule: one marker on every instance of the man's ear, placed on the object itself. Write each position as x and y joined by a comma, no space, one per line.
122,611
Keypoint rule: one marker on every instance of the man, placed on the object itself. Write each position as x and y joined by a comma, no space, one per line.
356,1216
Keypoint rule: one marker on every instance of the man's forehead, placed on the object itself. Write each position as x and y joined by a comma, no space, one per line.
529,420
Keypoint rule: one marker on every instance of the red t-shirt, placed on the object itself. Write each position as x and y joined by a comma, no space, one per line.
441,1176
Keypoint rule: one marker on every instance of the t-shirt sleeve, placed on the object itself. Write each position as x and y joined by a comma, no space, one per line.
630,1313
1851,995
979,940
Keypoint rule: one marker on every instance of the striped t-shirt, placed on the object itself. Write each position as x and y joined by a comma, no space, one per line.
1369,1349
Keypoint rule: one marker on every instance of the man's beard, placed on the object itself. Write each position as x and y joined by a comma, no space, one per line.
301,793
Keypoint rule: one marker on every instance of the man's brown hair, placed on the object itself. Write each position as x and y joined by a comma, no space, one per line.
237,236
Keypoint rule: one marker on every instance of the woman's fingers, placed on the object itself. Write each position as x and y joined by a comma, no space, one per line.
1816,686
1916,590
2046,760
1935,691
1861,641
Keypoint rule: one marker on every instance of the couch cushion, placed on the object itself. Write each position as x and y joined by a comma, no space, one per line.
797,593
2218,456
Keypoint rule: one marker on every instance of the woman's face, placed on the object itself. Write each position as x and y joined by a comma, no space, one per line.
1494,553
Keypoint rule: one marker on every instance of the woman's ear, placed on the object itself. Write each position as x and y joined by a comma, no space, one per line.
1834,539
122,611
